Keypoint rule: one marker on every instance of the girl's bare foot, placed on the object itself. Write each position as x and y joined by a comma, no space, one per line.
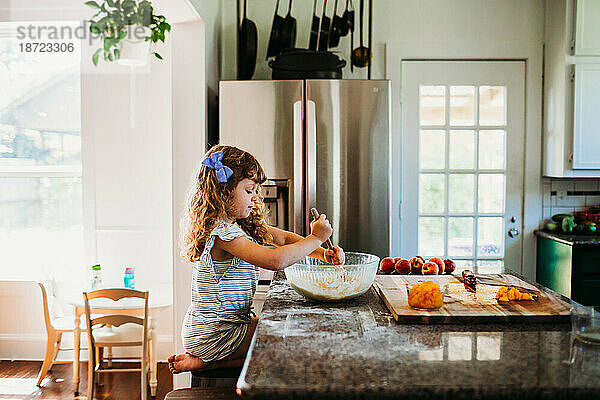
184,362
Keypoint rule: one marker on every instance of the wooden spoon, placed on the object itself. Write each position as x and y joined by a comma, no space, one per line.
316,215
343,272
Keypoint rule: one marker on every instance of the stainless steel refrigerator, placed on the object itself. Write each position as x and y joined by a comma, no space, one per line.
330,140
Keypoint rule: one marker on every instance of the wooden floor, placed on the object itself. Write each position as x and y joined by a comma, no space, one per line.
18,378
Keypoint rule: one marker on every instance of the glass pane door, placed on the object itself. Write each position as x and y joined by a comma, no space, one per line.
462,168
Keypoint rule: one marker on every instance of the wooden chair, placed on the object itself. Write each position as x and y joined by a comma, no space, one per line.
117,336
55,327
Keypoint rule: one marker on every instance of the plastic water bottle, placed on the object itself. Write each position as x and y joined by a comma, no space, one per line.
95,277
129,278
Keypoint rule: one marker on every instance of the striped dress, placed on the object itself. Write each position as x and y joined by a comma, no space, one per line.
217,320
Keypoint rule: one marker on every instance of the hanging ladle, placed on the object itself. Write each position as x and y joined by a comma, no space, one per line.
361,55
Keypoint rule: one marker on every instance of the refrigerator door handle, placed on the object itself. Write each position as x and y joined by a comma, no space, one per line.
311,157
296,214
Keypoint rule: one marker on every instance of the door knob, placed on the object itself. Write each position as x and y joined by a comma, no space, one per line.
512,232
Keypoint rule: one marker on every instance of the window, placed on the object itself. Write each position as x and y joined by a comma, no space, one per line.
41,228
462,173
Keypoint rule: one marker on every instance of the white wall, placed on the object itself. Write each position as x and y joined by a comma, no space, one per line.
188,143
21,338
126,154
135,177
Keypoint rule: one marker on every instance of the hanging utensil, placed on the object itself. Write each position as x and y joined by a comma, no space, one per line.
247,39
314,29
337,26
288,31
324,33
274,46
349,17
370,38
350,23
345,24
361,55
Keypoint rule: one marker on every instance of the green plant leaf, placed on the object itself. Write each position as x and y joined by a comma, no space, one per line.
108,43
95,57
94,29
158,56
103,23
92,4
136,20
117,16
146,13
110,3
117,53
163,26
110,57
128,5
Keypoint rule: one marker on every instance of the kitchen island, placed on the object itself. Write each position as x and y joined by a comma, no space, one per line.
355,350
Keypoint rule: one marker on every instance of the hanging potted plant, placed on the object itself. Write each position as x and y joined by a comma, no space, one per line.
127,28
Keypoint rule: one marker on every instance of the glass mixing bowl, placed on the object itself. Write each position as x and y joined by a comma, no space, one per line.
319,280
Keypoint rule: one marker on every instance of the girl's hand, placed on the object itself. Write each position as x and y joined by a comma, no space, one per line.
321,228
335,256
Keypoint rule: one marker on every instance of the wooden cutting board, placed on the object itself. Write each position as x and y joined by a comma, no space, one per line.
462,306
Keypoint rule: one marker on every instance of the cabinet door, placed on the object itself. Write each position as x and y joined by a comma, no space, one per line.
586,118
587,30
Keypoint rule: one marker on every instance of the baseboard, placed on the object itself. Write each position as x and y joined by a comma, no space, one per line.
32,347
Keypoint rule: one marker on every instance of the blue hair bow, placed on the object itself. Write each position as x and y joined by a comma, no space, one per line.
214,161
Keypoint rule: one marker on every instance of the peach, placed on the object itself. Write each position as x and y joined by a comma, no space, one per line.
449,266
416,263
430,268
387,265
396,259
402,266
425,295
439,262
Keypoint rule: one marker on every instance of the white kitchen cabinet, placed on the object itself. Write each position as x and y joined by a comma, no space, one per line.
587,28
586,117
571,143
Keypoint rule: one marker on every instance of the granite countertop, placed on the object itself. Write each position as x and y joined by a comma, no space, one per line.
588,240
355,350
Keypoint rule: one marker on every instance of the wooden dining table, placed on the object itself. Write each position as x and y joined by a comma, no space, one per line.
159,297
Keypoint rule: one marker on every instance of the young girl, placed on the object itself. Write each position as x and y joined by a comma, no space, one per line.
226,241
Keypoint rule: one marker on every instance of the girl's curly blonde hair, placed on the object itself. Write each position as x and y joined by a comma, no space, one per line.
210,200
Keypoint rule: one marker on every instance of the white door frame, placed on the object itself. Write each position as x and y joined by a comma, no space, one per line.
532,178
476,74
